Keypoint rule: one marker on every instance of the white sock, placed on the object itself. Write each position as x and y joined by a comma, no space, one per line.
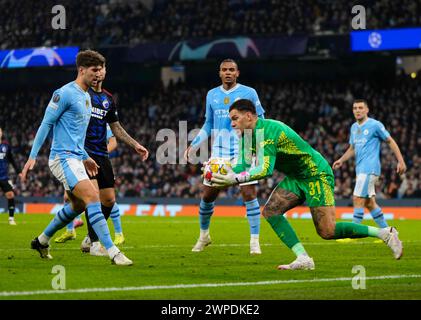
204,233
43,239
384,233
112,252
254,237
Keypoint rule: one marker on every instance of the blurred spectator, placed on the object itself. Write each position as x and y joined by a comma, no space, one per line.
28,23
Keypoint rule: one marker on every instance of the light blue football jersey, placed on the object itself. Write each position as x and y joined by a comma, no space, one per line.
68,114
218,123
366,140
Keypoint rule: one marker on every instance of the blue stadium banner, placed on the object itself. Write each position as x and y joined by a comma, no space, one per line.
392,39
38,57
235,47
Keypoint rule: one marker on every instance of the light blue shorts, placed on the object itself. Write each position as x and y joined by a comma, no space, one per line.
68,171
365,186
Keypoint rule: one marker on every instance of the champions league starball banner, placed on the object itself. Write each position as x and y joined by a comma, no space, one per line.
38,57
234,47
393,39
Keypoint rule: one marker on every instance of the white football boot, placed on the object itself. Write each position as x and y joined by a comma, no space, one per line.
255,246
121,260
204,240
85,246
302,262
390,236
98,250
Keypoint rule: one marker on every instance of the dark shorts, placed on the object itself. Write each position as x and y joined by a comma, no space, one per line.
5,186
105,176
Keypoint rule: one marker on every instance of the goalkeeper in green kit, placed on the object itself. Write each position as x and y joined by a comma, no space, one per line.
308,177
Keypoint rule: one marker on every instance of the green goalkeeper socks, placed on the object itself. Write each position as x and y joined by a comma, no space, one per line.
354,230
287,235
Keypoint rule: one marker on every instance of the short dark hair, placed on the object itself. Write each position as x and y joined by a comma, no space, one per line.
243,105
229,60
89,58
361,101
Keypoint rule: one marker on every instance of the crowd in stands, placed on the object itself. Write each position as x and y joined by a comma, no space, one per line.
319,111
97,23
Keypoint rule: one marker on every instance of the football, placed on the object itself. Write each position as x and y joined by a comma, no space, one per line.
217,165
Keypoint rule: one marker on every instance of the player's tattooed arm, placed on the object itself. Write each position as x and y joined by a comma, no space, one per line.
122,135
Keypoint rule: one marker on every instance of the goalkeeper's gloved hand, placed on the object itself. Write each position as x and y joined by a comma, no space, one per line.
221,181
204,164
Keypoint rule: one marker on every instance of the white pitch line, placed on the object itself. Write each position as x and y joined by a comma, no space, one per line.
151,246
53,249
261,244
198,285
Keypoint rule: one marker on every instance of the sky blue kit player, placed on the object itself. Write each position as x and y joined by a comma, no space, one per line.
225,145
70,233
218,101
365,140
68,114
104,114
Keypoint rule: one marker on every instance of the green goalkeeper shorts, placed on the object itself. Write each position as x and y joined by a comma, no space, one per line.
318,191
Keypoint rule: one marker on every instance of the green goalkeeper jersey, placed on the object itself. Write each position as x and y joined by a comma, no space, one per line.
281,148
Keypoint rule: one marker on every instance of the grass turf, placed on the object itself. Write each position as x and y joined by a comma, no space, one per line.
161,250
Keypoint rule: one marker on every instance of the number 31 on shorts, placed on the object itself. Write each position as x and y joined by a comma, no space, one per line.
314,187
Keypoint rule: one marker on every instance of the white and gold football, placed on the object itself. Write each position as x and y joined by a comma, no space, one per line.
217,165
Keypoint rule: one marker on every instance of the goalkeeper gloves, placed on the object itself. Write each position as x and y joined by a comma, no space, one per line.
220,181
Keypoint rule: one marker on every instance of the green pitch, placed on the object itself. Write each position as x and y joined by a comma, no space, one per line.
161,250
